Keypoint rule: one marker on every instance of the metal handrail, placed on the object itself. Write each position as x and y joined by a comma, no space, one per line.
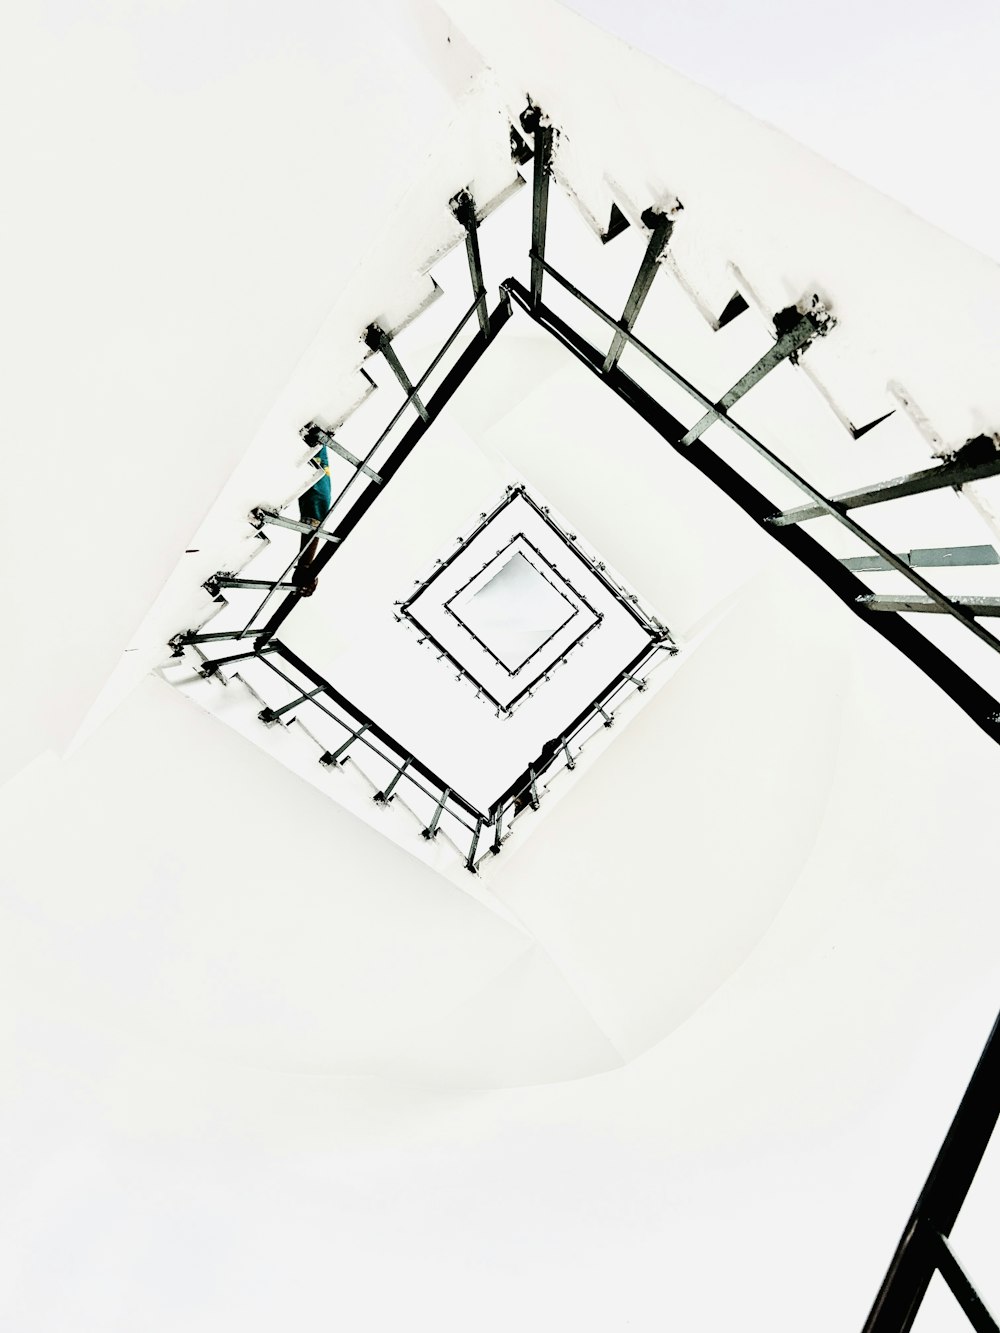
829,507
923,1248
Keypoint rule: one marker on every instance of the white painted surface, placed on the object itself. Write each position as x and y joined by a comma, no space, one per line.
259,1066
900,94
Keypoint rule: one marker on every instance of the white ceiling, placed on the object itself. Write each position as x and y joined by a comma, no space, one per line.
249,1078
902,93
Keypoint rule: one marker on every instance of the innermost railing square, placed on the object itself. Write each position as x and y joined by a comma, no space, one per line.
513,608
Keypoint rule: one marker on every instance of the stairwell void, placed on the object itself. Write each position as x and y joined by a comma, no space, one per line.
463,611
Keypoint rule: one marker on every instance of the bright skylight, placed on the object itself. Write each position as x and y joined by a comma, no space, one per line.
513,609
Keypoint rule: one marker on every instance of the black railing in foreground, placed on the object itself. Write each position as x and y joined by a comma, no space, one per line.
924,1248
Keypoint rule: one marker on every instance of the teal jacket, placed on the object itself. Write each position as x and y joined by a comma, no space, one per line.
314,505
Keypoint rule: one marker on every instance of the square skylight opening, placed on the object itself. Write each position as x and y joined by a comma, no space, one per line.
513,608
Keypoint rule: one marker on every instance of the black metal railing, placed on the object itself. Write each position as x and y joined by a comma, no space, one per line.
795,330
924,1248
450,810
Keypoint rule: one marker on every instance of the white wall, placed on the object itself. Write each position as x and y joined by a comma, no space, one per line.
181,229
186,1146
260,1067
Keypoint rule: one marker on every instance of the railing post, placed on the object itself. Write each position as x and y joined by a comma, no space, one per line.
385,797
378,340
260,516
796,330
962,1289
316,437
975,461
532,121
662,227
470,860
333,757
464,208
271,715
431,830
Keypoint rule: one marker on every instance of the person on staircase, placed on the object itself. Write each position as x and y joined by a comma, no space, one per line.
314,505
